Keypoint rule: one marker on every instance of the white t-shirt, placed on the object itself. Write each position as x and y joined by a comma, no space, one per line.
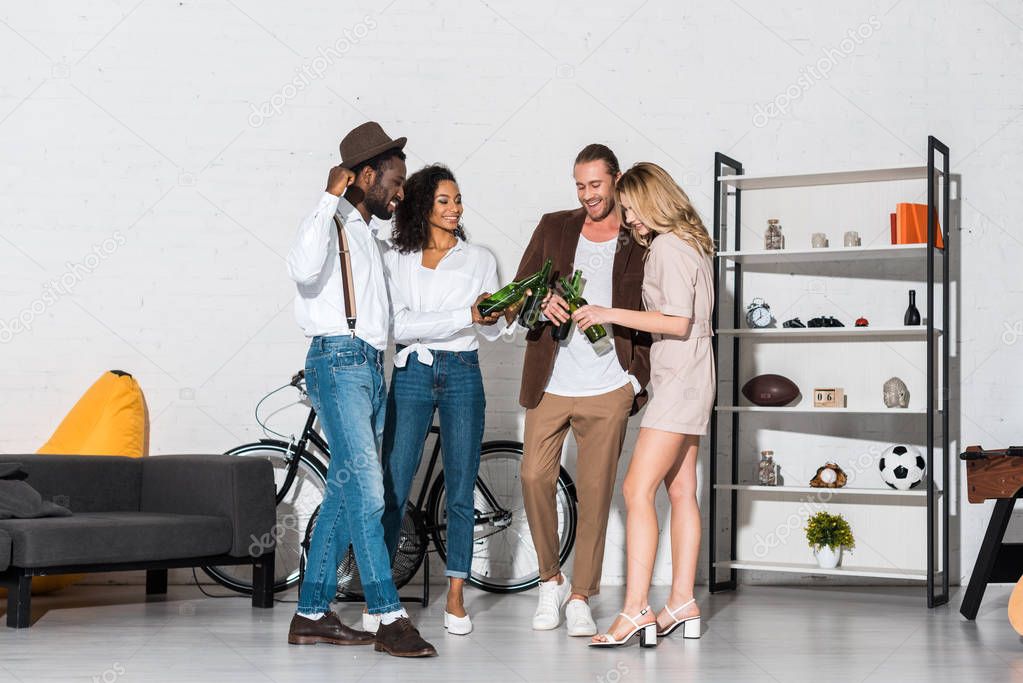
578,370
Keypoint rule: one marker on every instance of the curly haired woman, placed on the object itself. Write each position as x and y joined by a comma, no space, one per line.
436,279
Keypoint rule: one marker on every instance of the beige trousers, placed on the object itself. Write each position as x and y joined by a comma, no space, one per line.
598,423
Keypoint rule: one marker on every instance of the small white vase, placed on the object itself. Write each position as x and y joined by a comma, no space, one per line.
828,558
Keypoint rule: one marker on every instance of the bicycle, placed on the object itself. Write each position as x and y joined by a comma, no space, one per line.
503,549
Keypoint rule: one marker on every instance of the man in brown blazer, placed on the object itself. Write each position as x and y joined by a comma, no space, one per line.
570,385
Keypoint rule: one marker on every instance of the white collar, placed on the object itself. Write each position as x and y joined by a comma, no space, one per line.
348,214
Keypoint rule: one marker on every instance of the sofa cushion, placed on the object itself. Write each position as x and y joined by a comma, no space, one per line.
5,550
85,483
112,537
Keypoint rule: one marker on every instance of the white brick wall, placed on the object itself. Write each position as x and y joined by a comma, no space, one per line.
134,121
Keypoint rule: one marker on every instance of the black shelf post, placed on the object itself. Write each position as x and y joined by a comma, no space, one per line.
721,163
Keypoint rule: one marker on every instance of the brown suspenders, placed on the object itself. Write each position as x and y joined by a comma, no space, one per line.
347,283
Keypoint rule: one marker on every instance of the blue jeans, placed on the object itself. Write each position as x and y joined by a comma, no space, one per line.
452,386
344,378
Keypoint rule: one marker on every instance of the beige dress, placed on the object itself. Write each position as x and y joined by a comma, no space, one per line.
679,280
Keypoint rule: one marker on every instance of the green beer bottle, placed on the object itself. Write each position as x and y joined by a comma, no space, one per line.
594,332
568,291
509,295
529,316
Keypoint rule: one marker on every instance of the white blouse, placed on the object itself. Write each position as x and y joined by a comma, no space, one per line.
431,308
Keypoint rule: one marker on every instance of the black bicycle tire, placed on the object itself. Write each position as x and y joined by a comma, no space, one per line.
433,519
305,457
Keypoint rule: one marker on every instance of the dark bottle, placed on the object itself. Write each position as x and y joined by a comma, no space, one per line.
561,332
575,301
510,294
912,314
529,316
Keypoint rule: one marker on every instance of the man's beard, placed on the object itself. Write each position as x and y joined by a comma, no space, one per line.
377,202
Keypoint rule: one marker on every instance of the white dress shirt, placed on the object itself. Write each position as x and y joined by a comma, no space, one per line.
314,264
432,307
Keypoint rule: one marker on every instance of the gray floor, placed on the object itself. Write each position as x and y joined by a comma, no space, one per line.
113,634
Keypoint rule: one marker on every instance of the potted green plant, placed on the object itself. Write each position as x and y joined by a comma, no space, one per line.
827,534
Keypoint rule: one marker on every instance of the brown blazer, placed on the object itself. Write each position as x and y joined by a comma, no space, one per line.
557,237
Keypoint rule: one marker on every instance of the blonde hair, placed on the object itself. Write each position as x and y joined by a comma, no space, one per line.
662,205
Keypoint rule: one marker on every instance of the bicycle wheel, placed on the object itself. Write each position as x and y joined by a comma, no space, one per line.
503,556
407,559
293,513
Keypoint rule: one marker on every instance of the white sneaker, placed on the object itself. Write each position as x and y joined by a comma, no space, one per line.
552,598
580,619
457,626
370,622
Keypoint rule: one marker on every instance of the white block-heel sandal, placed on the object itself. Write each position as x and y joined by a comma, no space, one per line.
690,626
647,633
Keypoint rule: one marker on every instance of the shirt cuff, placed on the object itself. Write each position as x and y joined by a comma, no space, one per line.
636,388
462,318
330,201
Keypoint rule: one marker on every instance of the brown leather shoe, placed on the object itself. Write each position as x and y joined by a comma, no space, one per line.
401,639
326,629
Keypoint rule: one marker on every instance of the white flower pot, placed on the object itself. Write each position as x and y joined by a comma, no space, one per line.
828,558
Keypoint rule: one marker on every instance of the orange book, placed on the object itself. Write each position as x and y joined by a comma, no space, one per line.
910,226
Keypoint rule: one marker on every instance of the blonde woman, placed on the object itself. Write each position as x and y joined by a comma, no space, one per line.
678,294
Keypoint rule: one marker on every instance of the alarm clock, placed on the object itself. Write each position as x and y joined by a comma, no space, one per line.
758,314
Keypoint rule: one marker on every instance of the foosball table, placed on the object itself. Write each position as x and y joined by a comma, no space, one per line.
995,474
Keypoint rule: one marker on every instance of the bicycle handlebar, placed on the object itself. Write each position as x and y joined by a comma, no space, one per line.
297,378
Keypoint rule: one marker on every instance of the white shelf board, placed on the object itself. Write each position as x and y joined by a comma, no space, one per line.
810,489
822,411
870,175
800,568
801,333
888,251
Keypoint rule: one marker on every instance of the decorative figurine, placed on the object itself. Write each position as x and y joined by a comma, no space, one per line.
912,314
819,240
852,239
896,393
758,314
773,239
825,321
767,469
829,476
794,322
862,322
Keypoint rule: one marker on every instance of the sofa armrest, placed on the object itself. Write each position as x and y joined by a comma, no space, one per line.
241,489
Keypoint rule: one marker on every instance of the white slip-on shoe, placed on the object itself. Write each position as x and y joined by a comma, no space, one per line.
370,622
579,618
553,597
457,626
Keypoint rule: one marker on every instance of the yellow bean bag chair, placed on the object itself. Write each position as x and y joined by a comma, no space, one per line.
109,419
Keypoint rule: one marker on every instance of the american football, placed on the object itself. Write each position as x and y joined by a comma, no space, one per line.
770,390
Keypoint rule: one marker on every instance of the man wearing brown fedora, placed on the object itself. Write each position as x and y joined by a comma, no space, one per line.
343,307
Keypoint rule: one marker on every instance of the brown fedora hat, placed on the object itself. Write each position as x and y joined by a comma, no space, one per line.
365,142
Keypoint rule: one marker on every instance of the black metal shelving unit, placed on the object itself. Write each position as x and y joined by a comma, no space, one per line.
729,180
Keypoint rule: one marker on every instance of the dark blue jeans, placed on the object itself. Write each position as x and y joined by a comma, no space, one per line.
344,378
453,387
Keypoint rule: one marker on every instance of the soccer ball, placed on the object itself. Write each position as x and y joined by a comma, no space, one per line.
902,467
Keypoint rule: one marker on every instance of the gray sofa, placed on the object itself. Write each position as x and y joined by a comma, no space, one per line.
151,513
